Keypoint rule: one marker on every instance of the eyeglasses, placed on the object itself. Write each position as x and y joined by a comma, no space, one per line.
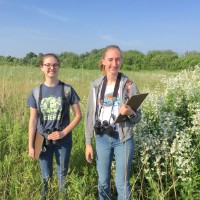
48,65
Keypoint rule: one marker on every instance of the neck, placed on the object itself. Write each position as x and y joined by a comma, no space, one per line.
111,78
51,82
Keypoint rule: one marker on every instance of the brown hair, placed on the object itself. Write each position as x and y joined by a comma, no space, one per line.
48,55
105,50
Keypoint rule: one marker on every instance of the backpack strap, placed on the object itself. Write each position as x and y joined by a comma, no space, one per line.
103,89
66,94
36,92
114,97
66,91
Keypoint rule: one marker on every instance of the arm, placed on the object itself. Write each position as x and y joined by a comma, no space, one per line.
138,114
134,116
89,129
77,118
89,153
32,129
89,113
126,110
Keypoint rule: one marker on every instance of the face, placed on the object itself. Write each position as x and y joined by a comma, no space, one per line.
112,61
50,67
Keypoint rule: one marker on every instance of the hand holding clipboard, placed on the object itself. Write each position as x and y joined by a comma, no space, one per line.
134,102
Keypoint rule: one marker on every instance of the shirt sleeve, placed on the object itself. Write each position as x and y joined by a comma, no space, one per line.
31,101
74,97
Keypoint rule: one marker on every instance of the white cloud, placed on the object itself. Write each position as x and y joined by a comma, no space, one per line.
128,42
106,37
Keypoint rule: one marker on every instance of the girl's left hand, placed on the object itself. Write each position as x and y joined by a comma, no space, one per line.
126,110
56,135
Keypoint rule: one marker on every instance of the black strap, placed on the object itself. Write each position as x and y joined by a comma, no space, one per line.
103,89
39,103
116,86
63,104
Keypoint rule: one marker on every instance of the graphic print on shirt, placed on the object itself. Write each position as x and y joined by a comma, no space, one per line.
51,108
108,100
108,108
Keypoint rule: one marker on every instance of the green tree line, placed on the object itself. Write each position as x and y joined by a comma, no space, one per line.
132,60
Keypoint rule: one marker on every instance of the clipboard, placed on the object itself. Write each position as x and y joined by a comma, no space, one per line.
38,144
134,102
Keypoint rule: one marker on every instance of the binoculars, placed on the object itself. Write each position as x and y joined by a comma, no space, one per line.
104,127
48,132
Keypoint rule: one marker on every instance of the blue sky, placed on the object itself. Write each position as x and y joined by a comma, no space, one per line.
82,25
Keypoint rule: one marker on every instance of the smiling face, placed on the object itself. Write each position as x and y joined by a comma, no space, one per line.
112,61
50,67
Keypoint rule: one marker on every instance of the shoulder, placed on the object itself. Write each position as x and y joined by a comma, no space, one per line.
65,84
34,97
67,88
36,88
130,84
97,82
36,91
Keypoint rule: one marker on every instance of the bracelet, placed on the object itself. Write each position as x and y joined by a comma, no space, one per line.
131,116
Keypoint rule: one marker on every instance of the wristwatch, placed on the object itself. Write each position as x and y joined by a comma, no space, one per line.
131,116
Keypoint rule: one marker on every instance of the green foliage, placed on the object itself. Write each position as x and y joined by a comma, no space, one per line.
160,59
30,59
167,139
69,59
91,60
133,60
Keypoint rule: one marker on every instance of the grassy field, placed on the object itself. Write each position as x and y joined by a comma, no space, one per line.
20,175
17,82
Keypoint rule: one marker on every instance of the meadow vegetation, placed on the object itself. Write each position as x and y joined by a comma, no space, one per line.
167,154
133,60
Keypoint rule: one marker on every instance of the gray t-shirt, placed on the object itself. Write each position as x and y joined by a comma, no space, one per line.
51,107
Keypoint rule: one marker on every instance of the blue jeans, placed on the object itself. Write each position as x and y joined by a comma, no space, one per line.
62,153
106,148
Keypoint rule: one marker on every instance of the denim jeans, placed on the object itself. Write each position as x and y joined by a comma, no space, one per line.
106,148
62,153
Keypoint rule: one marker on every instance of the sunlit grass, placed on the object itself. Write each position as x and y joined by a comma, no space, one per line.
19,174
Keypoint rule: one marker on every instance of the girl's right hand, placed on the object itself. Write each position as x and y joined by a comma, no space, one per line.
31,153
89,153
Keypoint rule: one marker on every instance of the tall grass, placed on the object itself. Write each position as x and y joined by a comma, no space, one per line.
20,175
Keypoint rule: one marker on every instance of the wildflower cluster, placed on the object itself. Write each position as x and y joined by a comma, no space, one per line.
167,136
